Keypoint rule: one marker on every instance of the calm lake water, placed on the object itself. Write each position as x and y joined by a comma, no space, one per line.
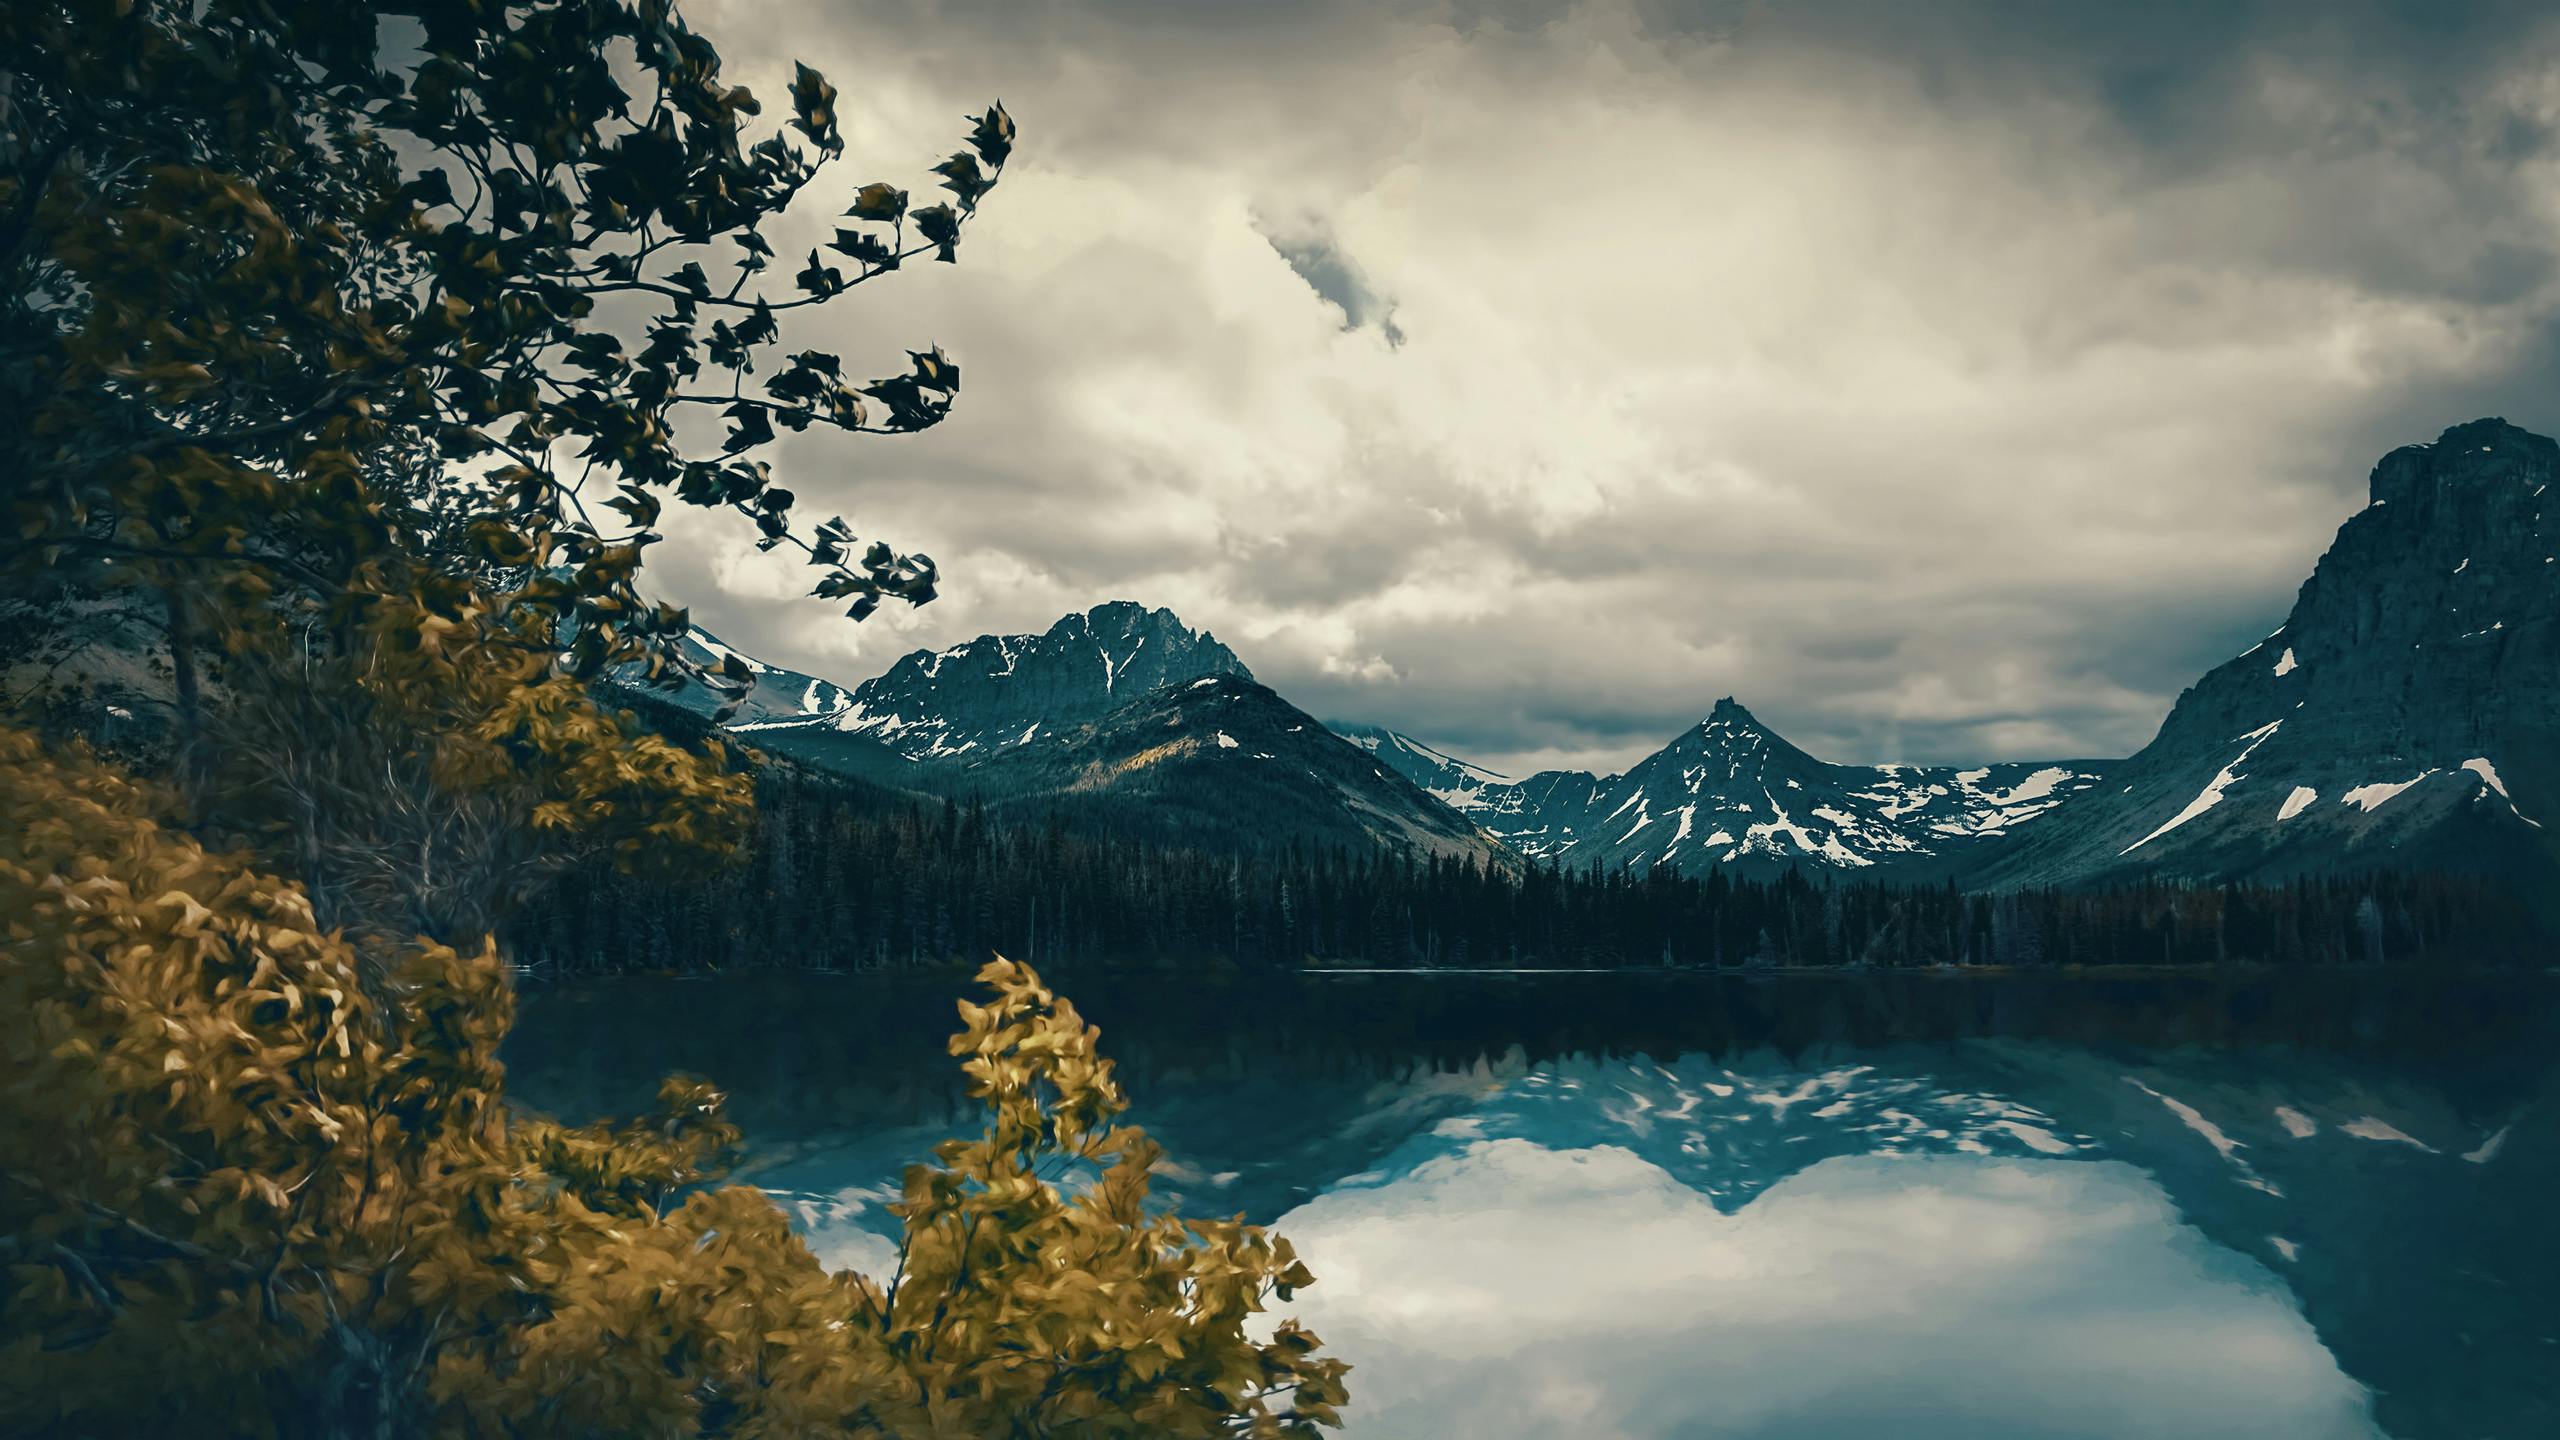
1784,1207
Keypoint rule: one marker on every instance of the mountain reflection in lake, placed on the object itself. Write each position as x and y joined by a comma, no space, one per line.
1783,1207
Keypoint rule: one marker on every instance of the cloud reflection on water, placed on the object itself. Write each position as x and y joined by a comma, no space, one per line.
1737,1249
2426,1266
1510,1289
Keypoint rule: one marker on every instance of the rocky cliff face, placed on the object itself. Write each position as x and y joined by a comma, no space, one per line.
2406,714
1730,792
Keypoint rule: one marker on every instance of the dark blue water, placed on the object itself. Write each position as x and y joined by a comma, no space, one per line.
1655,1205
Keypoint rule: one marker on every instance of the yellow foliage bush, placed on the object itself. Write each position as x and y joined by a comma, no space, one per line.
243,1193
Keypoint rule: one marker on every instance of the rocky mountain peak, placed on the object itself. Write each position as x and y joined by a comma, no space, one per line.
2401,715
1117,620
1003,690
2467,463
1740,750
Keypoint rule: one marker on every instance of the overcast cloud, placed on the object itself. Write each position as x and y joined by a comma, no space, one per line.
1947,382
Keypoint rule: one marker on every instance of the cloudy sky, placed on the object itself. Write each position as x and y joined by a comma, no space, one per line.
1948,382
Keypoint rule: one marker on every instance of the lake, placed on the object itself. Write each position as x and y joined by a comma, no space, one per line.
1782,1207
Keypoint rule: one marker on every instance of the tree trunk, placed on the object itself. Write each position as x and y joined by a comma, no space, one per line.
359,1388
190,693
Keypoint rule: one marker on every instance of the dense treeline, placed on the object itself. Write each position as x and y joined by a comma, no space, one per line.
849,877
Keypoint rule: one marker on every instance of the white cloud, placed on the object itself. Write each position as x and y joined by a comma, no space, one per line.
1935,417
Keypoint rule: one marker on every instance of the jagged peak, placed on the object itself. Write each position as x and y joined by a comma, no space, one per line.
1732,731
1123,617
1730,718
1112,621
2489,430
2508,450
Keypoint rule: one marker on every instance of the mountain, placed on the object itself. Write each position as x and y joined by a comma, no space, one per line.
1731,792
1217,762
1120,717
999,691
2402,716
1453,782
774,694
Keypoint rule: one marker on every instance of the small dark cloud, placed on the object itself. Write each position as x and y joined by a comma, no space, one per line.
1338,281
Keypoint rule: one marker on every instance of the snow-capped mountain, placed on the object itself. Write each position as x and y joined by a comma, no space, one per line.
2403,716
1731,792
999,691
1122,717
774,693
1461,786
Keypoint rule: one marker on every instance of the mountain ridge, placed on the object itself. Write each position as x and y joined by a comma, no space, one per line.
2401,717
1730,791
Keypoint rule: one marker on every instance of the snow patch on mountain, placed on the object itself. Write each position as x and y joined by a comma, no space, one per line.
2374,796
2211,796
2488,773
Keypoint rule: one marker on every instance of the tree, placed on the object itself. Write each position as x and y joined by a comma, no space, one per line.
303,302
240,1194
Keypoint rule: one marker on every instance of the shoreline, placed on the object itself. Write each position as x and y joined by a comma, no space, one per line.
966,971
